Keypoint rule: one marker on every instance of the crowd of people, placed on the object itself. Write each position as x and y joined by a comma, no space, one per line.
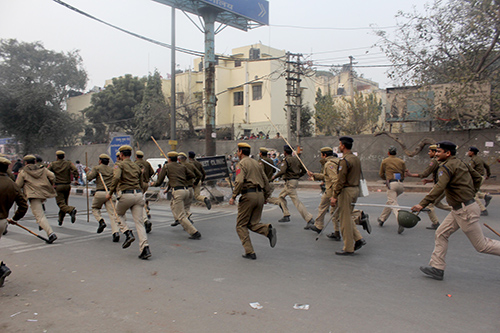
123,187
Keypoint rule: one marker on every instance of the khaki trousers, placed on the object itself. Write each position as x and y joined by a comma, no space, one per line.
197,193
395,189
350,233
291,191
134,202
62,197
36,206
480,195
249,214
466,218
189,201
438,204
324,206
146,208
179,198
97,202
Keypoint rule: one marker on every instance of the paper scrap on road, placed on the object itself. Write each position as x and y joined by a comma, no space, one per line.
15,314
301,306
256,305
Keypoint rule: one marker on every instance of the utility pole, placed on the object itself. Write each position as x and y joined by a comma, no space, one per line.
351,77
293,91
173,136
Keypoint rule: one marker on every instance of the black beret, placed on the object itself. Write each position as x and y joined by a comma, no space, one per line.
346,139
191,154
474,150
287,148
447,145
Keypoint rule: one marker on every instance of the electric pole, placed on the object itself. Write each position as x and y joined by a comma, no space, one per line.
293,91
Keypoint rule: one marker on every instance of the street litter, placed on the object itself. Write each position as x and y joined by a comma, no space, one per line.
301,306
256,305
15,314
32,320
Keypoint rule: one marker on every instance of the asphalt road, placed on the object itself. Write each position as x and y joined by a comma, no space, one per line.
86,283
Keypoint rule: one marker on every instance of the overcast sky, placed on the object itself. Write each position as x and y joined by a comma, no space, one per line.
108,53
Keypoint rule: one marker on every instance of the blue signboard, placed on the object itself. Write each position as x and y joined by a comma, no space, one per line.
6,141
116,143
255,10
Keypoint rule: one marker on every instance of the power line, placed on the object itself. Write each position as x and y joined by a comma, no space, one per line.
330,28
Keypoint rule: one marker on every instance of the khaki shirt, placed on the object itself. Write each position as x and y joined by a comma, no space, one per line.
63,169
199,167
197,174
36,182
250,175
349,173
268,170
126,176
107,174
147,170
290,168
329,173
432,168
10,193
459,182
178,175
478,164
391,166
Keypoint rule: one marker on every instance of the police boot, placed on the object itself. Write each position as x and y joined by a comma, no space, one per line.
148,225
4,272
130,238
101,227
335,236
145,254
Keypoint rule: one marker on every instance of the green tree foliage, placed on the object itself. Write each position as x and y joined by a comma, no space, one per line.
328,117
34,83
306,127
152,115
114,107
360,114
454,42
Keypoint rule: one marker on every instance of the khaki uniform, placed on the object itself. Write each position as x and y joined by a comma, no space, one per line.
269,172
63,170
197,187
147,172
291,170
253,185
346,190
329,176
10,193
191,181
392,170
127,179
478,164
100,194
178,176
37,185
460,184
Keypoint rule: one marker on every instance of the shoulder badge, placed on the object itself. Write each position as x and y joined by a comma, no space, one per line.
282,163
331,167
432,163
340,167
440,173
238,170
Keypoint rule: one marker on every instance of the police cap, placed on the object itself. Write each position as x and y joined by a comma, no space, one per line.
326,149
60,152
172,154
243,145
139,153
104,156
263,150
4,160
29,157
125,147
447,145
474,149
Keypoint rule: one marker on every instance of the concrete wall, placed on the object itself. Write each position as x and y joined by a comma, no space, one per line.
371,149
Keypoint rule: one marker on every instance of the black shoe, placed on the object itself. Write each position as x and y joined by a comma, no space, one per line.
149,216
313,228
196,235
52,238
359,244
365,222
401,229
432,272
487,199
60,220
284,219
148,225
484,213
176,223
145,254
433,226
272,236
309,224
344,253
73,215
40,228
130,238
116,237
252,256
335,236
4,272
380,222
101,227
208,203
5,231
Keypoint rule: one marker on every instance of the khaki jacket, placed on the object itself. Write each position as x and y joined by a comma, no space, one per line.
36,182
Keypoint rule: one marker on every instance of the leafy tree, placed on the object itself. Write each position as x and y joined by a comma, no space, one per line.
306,127
34,83
360,114
115,106
328,118
152,115
454,42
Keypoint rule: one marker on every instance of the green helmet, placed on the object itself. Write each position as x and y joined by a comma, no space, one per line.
407,219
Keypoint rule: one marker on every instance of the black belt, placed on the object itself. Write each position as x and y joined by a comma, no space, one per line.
395,180
190,186
62,183
180,188
466,203
131,191
100,190
249,190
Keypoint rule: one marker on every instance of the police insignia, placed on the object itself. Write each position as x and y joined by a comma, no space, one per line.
440,173
238,171
340,167
283,164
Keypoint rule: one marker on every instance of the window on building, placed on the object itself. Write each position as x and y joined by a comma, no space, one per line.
254,53
200,66
198,96
180,98
257,92
237,63
238,98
